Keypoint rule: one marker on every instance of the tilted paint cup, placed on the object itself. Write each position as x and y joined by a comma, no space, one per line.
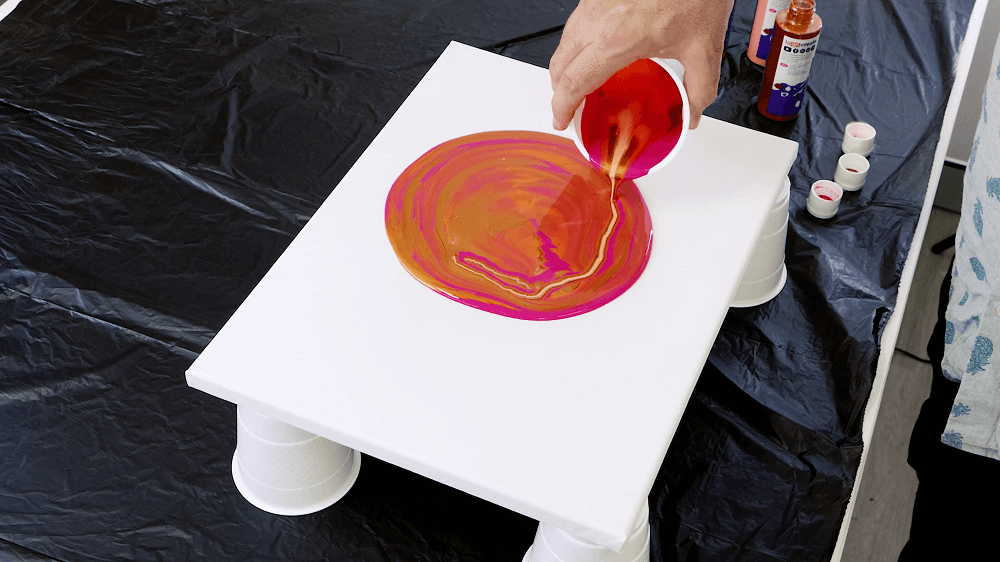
658,89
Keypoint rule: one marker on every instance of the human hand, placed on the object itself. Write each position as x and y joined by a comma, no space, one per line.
603,36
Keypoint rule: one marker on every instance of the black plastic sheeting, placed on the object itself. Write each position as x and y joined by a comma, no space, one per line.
157,157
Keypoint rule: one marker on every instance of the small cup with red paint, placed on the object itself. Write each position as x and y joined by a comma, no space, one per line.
644,105
859,138
824,199
852,169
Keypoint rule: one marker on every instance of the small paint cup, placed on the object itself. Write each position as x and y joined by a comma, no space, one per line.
285,470
824,199
658,89
555,545
765,273
859,138
852,169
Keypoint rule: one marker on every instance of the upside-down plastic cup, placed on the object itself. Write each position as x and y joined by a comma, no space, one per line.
765,273
852,169
555,545
285,470
645,107
824,199
859,138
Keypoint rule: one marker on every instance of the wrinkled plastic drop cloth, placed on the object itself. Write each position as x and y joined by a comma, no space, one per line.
157,157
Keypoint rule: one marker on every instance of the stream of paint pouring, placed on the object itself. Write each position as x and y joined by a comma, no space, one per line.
519,224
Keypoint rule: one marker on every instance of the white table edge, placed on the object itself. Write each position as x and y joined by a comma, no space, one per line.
887,346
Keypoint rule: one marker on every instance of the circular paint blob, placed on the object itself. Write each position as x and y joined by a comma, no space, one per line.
518,223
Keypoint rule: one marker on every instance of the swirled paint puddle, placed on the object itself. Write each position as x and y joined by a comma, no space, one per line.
518,223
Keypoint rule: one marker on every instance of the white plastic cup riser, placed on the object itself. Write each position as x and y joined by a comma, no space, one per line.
749,291
859,138
845,178
676,72
763,276
270,429
555,545
778,214
543,550
289,466
291,502
768,256
769,252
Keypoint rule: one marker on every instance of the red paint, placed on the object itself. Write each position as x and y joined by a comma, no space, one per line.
641,106
825,197
852,170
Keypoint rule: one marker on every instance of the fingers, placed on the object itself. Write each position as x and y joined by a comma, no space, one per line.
701,81
596,43
584,74
569,47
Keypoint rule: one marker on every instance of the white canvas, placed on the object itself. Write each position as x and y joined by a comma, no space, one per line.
565,421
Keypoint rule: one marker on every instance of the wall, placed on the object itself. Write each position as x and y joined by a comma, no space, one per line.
969,110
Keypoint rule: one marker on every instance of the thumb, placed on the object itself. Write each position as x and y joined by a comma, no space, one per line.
701,81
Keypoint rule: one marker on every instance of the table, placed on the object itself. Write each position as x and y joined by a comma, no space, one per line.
337,339
159,158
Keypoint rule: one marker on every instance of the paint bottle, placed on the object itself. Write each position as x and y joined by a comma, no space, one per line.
796,33
763,27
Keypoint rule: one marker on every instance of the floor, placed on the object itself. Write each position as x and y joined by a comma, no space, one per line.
880,524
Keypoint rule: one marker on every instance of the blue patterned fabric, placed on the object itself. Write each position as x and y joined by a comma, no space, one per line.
972,321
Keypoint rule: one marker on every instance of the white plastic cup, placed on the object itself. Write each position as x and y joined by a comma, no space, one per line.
765,273
852,169
859,138
824,199
285,470
555,545
675,71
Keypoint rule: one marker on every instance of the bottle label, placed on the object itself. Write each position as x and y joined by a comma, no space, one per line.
773,7
791,71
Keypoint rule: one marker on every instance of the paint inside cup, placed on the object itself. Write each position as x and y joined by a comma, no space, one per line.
826,193
634,121
861,131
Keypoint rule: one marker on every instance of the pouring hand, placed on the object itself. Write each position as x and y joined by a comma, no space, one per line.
603,36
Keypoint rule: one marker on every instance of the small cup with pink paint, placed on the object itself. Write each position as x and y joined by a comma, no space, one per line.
824,199
852,169
636,122
859,138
